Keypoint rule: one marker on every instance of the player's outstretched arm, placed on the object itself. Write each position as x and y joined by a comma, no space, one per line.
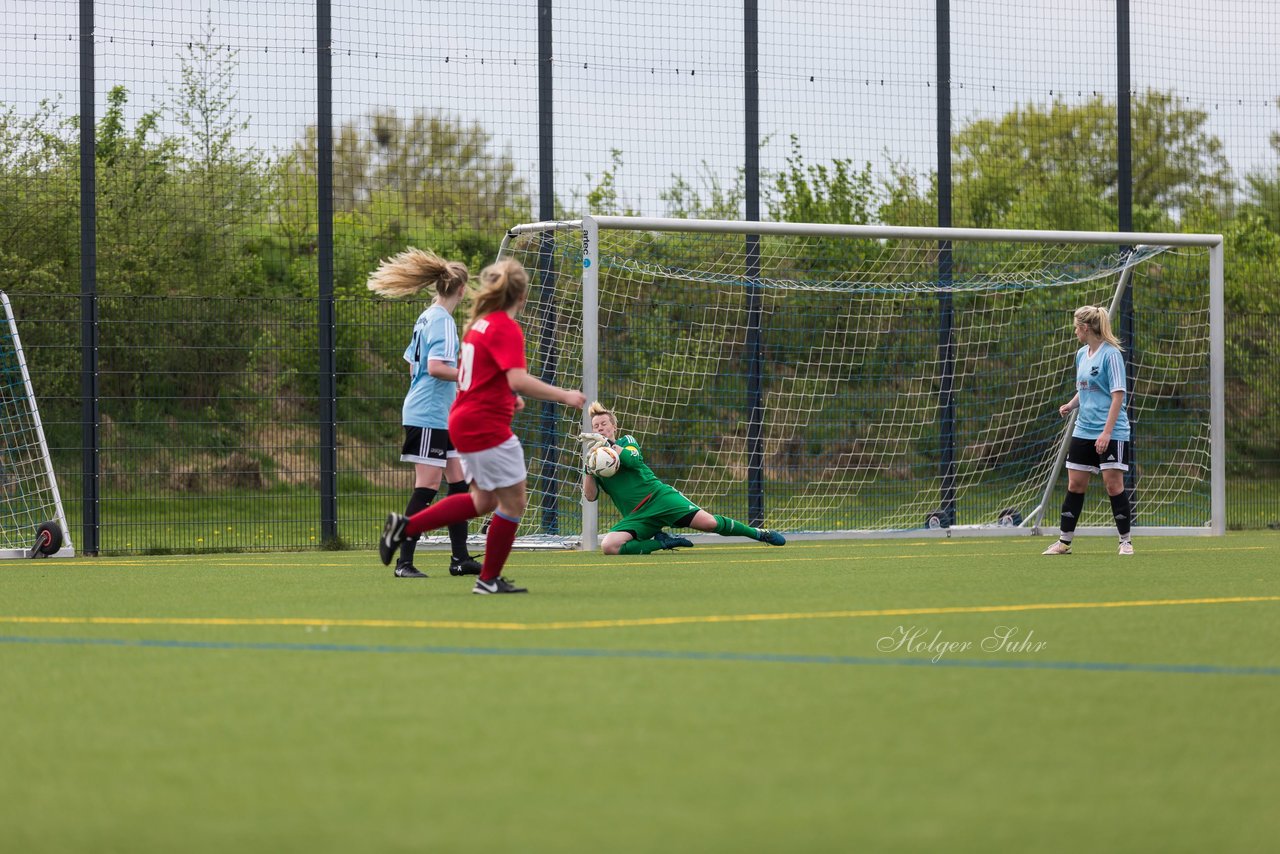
521,382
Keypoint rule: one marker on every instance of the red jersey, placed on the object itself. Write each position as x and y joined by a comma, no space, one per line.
481,415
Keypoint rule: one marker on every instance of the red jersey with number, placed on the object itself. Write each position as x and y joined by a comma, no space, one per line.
481,415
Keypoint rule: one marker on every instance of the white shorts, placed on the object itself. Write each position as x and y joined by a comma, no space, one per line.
496,467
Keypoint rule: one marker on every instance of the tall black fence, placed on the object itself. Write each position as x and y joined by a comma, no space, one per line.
192,194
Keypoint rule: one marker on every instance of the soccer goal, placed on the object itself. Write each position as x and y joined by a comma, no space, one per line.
32,522
828,380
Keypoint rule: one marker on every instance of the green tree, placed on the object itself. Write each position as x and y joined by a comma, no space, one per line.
213,167
40,252
601,197
711,199
442,168
1055,165
1263,188
839,193
39,198
909,198
140,208
430,180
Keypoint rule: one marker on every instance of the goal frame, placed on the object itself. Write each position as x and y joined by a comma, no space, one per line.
67,549
591,227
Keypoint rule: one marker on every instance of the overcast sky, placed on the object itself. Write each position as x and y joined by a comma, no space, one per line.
661,80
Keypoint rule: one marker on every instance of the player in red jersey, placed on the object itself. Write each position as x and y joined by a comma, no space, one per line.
492,373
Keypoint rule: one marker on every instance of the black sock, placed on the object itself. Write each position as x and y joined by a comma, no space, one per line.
1120,510
458,532
1071,507
420,500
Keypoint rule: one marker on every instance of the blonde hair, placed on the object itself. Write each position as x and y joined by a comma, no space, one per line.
598,408
413,270
502,284
1099,322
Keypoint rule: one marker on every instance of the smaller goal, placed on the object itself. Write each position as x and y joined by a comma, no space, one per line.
840,380
28,488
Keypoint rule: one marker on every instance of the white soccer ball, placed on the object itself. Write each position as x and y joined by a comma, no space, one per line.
603,461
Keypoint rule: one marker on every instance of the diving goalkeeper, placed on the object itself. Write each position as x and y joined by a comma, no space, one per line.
647,504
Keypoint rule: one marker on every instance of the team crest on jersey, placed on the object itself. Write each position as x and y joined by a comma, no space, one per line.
1093,372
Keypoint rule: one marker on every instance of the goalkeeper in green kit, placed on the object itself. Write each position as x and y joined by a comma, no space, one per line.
647,504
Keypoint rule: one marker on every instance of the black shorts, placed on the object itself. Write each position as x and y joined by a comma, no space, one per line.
427,445
1082,455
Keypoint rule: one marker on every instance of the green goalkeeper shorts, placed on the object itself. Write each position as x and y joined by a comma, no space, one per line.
661,511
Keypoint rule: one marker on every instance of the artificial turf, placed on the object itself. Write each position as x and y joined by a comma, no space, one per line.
960,695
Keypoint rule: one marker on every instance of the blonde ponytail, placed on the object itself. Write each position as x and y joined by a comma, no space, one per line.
1099,322
413,270
502,284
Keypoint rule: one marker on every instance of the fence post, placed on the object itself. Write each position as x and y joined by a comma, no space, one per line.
946,344
89,414
755,361
548,314
1124,196
328,391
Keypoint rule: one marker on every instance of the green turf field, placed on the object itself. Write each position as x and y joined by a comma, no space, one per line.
821,697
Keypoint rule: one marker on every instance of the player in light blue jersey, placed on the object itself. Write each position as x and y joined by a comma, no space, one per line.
432,356
1100,441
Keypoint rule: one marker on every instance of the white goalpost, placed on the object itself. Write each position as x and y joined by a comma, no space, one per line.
32,521
843,381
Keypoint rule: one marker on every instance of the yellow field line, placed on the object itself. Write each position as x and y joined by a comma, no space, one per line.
620,623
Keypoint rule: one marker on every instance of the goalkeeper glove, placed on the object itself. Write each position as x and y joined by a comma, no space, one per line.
591,441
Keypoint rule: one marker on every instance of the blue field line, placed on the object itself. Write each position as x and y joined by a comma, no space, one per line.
658,655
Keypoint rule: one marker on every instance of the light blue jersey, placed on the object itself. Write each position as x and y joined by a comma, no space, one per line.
435,336
1097,376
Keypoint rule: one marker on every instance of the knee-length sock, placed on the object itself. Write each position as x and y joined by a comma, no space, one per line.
1071,507
1121,512
727,527
497,545
639,547
455,508
458,530
420,499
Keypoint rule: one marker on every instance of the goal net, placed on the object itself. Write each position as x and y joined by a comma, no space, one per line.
28,489
836,380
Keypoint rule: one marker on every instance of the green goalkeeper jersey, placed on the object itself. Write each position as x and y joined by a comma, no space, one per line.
635,485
